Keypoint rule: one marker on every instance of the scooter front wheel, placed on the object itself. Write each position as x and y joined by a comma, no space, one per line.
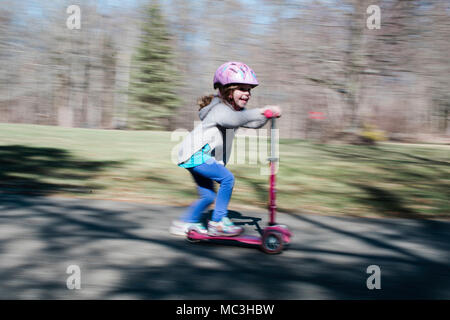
272,242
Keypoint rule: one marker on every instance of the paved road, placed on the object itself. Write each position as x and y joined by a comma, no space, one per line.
125,252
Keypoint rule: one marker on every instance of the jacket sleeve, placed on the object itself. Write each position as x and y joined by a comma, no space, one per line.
228,118
256,124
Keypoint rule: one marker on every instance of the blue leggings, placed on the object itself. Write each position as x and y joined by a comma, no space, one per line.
204,175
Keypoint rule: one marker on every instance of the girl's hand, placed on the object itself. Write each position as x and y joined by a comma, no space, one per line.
272,111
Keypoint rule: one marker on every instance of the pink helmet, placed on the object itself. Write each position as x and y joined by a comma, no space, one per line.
234,72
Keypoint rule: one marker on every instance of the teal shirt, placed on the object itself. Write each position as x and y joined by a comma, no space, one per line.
197,158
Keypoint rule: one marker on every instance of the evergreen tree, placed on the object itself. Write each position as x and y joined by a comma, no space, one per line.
152,89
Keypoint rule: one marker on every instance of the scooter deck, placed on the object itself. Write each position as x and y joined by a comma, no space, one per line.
254,240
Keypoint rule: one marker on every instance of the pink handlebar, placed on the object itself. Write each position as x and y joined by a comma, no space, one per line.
268,113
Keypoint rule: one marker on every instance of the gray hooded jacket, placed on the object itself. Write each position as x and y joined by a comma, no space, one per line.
218,127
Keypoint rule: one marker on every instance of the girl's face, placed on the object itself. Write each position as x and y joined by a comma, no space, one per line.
241,96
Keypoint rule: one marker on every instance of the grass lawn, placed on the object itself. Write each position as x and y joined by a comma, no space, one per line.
389,180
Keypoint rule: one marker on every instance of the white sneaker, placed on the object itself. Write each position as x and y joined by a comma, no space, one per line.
181,228
224,228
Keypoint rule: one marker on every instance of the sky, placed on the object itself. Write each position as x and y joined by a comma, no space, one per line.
261,13
36,8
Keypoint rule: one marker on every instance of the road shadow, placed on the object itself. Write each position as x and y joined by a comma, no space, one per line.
34,170
124,251
209,272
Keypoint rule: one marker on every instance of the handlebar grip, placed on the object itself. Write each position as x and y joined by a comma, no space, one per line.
268,113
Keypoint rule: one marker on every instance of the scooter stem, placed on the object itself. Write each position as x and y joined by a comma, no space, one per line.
272,159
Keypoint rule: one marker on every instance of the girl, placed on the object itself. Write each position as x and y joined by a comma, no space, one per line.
206,150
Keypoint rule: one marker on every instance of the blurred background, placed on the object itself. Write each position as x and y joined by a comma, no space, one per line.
89,114
365,125
138,64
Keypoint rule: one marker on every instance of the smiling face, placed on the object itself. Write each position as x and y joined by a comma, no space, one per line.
240,96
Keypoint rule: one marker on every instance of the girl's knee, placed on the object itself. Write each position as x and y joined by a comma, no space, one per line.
229,179
209,196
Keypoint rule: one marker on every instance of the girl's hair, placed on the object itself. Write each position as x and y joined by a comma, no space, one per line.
224,93
204,101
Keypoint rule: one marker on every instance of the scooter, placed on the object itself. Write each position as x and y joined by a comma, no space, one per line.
273,238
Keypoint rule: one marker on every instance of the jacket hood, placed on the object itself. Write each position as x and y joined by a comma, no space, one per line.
205,110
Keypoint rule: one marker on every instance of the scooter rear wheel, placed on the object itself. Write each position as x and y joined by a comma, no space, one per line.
272,242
